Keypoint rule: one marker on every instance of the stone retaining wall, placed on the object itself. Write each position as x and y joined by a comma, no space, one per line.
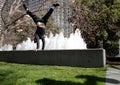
77,58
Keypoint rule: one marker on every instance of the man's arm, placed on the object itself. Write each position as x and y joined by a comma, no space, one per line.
43,43
36,40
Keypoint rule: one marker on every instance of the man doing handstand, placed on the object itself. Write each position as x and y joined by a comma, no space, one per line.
41,24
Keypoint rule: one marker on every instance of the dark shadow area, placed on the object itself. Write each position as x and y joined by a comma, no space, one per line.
113,60
92,80
46,81
112,81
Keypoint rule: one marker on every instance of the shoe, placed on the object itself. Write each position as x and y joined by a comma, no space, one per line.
56,5
25,7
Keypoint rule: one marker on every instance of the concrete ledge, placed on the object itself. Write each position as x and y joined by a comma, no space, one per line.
77,58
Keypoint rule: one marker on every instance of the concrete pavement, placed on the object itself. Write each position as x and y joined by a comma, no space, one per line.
113,76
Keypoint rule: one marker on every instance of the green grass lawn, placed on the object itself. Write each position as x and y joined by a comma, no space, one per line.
21,74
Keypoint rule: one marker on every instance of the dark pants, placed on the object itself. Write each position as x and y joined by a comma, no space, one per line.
44,19
40,32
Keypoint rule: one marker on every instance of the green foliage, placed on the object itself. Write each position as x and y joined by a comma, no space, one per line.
99,22
20,74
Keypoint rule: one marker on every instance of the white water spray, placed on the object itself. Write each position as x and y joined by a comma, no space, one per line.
75,41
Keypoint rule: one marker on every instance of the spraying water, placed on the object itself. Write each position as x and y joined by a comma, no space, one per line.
75,41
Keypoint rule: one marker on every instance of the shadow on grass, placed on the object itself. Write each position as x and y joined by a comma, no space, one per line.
92,80
46,81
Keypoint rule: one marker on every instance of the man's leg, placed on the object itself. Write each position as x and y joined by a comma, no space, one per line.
32,15
48,14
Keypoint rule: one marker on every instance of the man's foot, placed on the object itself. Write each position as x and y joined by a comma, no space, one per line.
25,7
56,5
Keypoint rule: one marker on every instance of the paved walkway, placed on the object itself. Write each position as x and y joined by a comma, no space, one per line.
113,76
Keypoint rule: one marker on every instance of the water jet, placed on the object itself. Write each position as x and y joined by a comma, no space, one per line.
59,51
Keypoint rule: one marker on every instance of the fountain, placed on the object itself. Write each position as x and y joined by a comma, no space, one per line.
59,50
75,41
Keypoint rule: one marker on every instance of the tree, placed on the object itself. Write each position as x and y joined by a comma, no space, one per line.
16,25
99,22
9,13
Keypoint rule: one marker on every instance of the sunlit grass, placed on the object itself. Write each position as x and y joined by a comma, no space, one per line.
20,74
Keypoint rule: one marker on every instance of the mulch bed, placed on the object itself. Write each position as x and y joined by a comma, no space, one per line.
113,60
